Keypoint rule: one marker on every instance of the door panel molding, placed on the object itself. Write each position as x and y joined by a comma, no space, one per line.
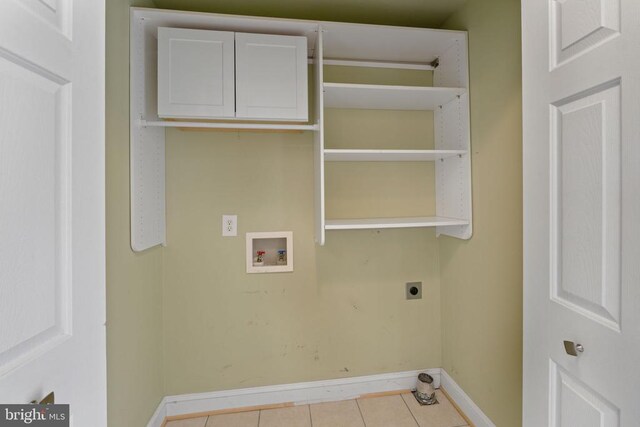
573,403
37,162
585,203
579,26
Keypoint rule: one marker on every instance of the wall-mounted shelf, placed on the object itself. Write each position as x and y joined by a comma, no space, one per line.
213,125
383,97
348,155
380,223
379,64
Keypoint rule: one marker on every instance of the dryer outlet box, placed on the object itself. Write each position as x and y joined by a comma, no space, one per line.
414,290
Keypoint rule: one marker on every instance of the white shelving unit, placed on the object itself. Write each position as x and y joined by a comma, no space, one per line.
445,53
356,45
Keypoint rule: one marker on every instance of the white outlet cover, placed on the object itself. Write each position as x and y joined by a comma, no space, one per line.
229,225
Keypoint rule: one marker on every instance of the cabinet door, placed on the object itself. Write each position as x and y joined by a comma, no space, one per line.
271,77
195,73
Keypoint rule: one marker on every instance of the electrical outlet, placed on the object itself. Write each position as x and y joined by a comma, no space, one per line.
229,225
414,290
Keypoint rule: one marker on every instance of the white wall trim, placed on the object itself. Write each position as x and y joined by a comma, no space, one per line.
314,392
158,416
464,402
298,393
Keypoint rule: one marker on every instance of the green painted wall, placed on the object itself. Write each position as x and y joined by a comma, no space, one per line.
482,278
187,318
342,312
134,281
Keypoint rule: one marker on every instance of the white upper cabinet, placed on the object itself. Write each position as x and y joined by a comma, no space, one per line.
271,77
195,73
200,77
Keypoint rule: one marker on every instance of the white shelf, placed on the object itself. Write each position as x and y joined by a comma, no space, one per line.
376,223
379,64
337,155
214,125
385,43
385,97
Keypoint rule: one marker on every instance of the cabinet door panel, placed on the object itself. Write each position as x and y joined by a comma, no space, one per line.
271,77
195,73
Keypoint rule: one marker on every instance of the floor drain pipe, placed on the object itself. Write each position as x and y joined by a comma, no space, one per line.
425,392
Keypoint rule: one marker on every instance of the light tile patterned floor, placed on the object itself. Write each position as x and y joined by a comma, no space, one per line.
387,411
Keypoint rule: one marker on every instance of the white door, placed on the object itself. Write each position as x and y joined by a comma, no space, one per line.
581,94
52,244
195,73
271,77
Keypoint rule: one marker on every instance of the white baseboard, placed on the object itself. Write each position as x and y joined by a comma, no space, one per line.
314,392
464,402
158,416
297,393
